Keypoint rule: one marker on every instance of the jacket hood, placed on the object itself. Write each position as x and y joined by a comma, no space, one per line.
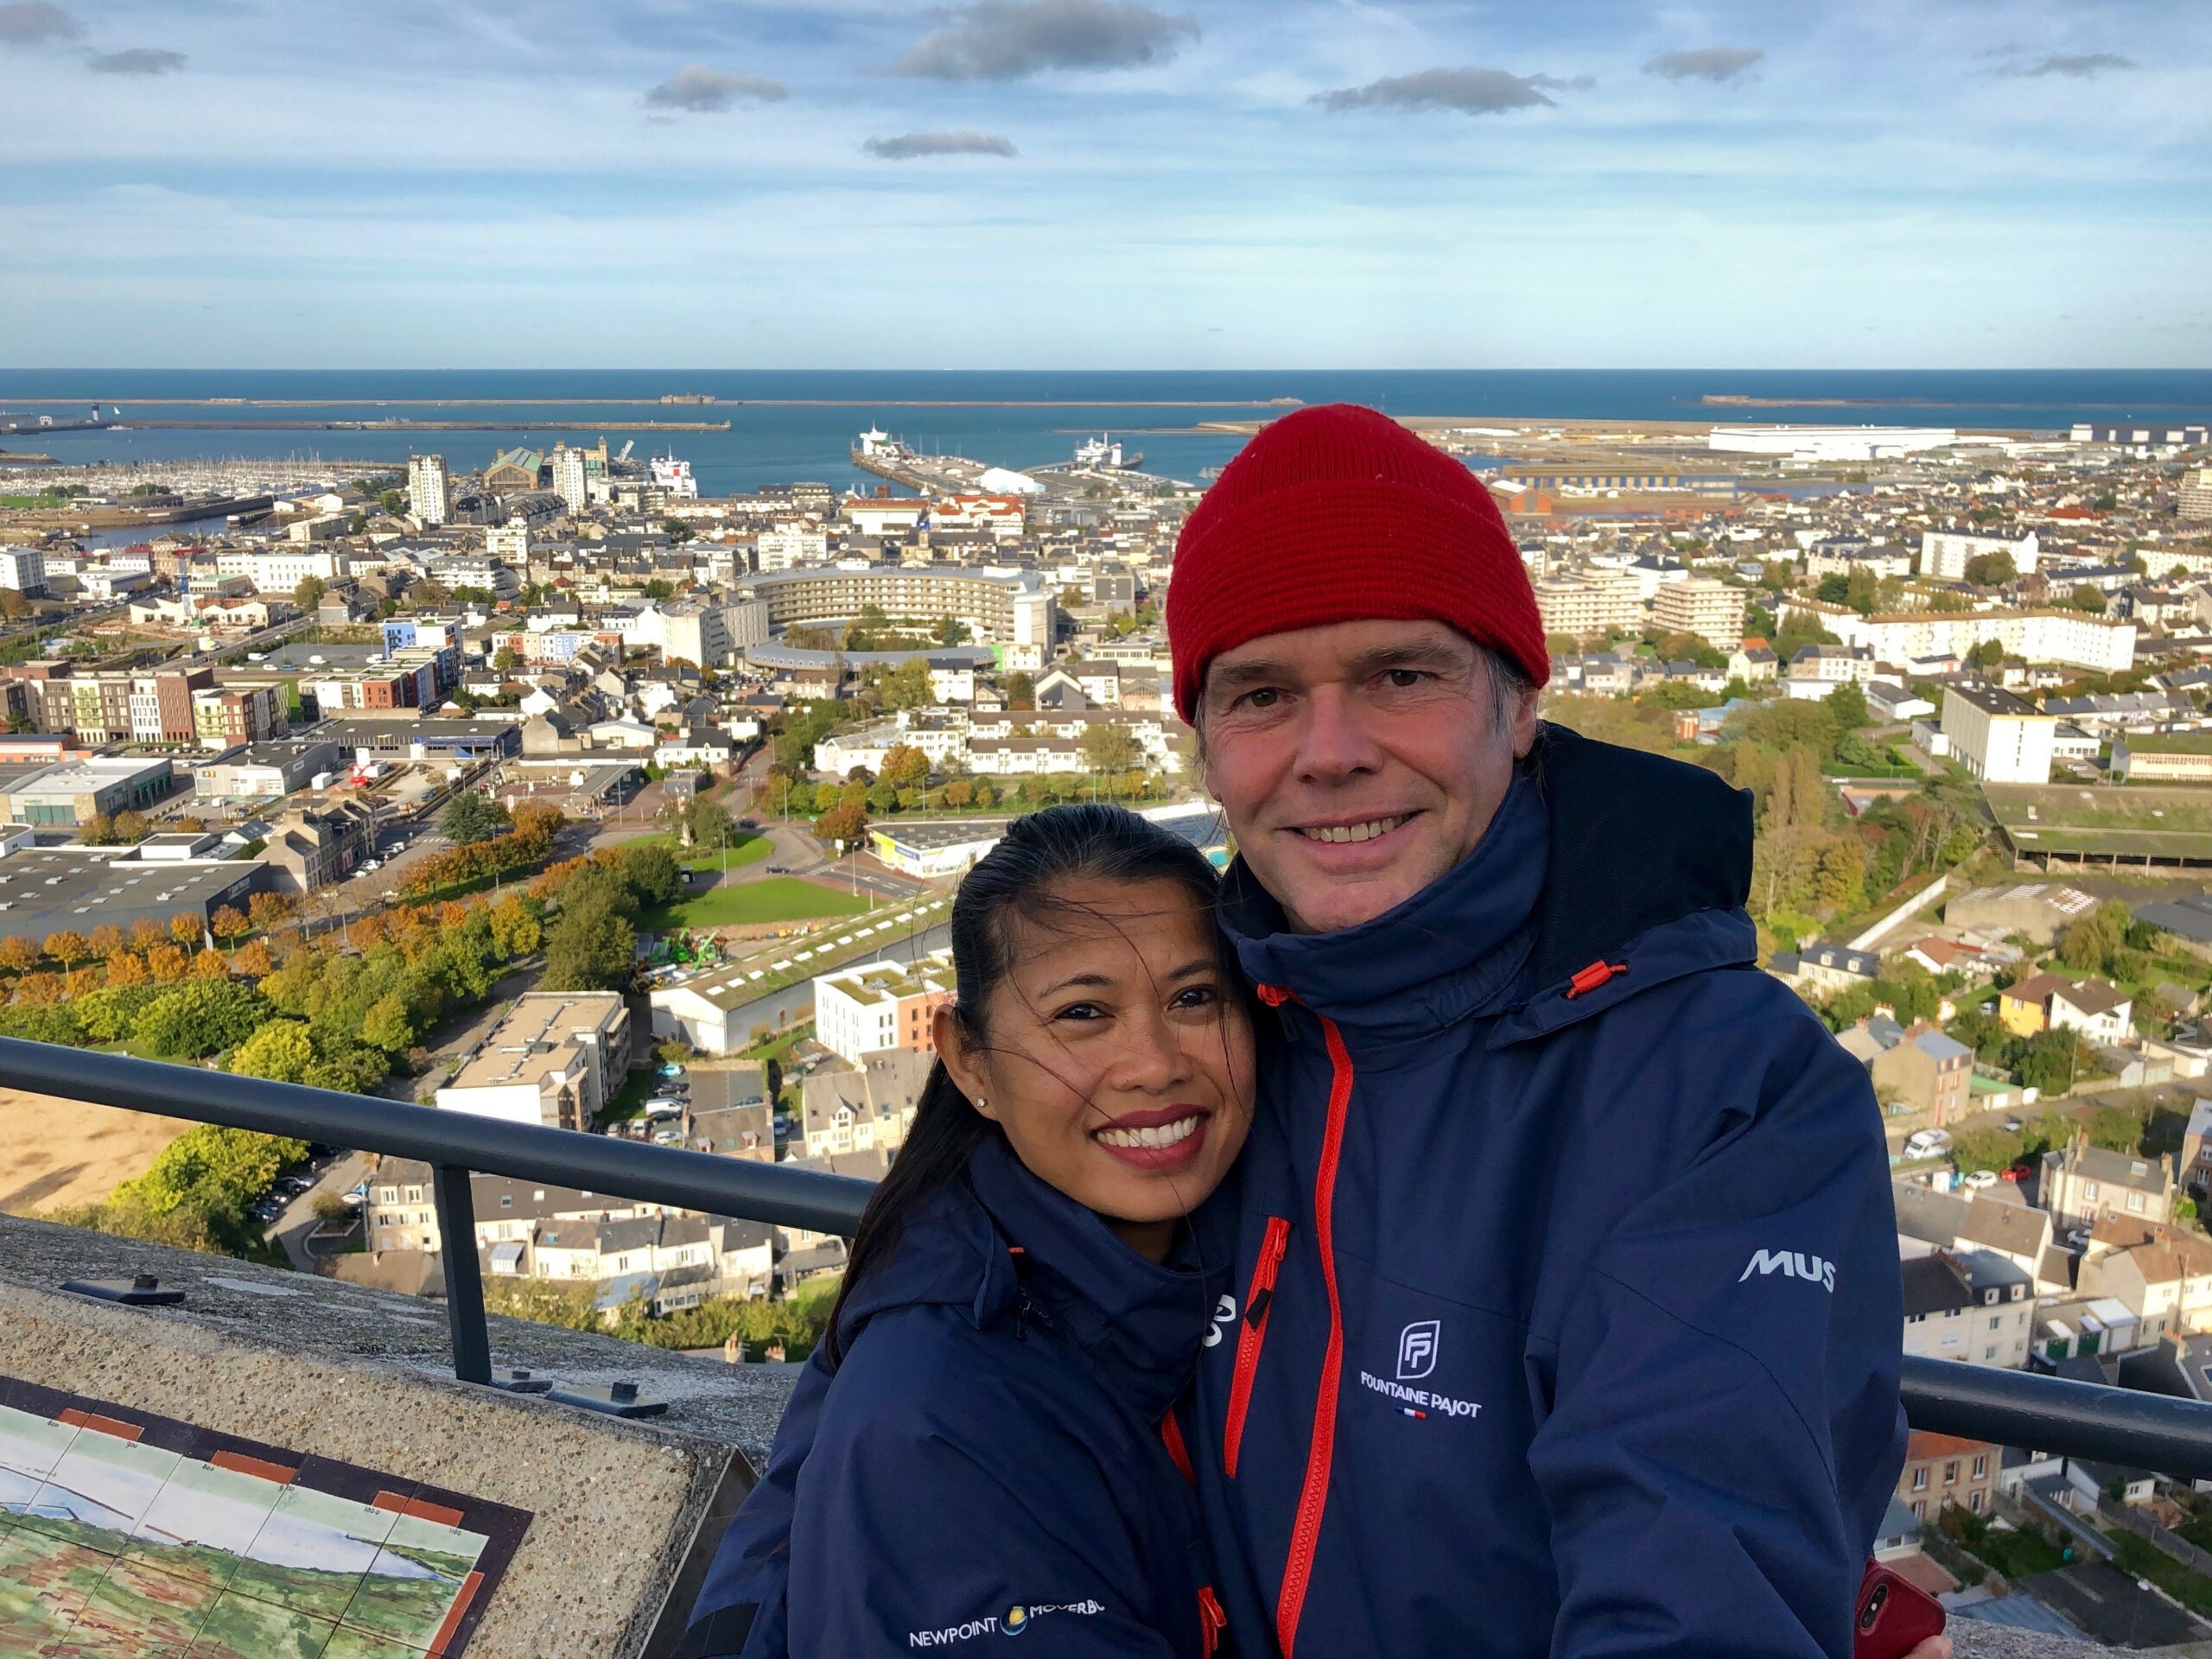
1000,1243
1598,854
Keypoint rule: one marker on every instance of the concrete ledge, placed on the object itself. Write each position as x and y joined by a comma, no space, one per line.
360,1375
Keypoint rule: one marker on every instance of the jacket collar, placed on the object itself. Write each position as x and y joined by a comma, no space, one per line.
1001,1243
1606,872
1453,949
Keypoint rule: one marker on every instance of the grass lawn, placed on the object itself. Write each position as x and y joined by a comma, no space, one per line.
630,1099
778,898
2014,1554
2144,1561
746,850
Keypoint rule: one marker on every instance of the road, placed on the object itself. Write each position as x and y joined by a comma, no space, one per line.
297,1219
781,1007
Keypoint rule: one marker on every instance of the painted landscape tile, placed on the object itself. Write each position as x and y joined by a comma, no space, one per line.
126,1536
418,1575
139,1613
103,1483
239,1627
203,1521
30,1448
44,1585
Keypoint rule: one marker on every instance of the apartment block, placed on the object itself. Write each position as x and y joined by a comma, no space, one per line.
1711,610
555,1058
862,1011
2000,737
1596,603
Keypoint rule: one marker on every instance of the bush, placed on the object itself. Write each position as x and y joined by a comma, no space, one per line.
210,1173
50,1022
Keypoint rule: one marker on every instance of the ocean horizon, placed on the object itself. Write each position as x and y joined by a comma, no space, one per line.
788,425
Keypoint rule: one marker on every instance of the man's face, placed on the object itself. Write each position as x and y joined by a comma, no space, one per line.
1357,762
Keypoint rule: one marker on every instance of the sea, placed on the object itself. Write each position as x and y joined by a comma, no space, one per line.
789,426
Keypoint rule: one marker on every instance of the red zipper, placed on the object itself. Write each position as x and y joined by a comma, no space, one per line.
1171,1433
1211,1620
1313,1497
1251,1332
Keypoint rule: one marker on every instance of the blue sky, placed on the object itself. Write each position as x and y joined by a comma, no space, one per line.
1048,183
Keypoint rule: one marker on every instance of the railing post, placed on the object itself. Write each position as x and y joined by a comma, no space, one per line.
472,1342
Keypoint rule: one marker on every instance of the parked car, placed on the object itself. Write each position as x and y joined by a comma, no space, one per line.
668,1137
1927,1143
1979,1180
671,1070
2018,1173
664,1106
2011,1126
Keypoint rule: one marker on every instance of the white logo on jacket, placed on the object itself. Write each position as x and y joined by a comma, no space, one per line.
1417,1349
1224,1313
1791,1265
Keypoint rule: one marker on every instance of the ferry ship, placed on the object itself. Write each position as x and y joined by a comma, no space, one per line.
1103,451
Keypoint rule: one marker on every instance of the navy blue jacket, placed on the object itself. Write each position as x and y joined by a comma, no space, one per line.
1568,1314
988,1460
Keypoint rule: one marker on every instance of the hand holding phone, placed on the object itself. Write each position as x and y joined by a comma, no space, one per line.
1894,1616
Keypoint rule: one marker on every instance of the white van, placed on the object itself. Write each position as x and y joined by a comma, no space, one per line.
1927,1143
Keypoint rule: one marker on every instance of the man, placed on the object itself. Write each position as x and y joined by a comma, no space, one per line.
1566,1316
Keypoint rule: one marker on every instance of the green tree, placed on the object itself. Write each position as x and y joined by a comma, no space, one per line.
882,797
469,817
592,942
201,1017
309,592
1846,705
659,587
505,660
1020,691
951,630
2087,943
1109,748
388,1025
677,531
281,1049
2086,598
651,874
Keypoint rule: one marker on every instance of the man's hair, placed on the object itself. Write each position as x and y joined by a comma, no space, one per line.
1508,689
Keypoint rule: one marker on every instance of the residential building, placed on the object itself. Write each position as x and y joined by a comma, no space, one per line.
1976,1307
310,847
788,546
2082,1182
2065,638
1966,1224
1825,968
555,1057
227,715
1945,1471
426,488
1711,610
2194,499
1597,603
2196,1150
2163,1276
2101,1012
869,1108
2000,737
1944,554
1008,607
863,1010
23,569
1927,1073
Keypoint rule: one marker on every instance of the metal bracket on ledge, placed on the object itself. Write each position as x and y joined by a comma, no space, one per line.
615,1400
143,1290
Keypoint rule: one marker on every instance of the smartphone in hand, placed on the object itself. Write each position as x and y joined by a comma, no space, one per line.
1895,1615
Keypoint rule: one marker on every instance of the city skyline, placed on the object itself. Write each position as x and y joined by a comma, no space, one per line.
1102,183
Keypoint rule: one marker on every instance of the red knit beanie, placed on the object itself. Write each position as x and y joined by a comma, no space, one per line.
1338,514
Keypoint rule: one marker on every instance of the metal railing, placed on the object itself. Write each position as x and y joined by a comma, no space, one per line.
2018,1408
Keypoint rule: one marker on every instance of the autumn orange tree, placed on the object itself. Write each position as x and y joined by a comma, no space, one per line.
65,947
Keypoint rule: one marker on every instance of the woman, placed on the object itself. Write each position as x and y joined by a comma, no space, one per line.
982,1442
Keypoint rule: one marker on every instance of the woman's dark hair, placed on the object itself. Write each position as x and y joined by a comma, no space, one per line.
1011,884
